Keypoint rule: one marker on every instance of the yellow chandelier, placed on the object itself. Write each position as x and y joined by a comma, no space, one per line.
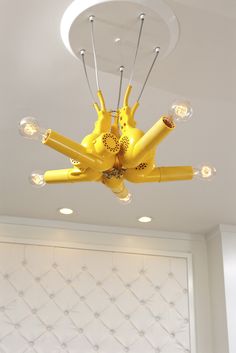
116,150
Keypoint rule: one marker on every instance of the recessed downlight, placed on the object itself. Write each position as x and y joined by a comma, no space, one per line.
145,219
65,211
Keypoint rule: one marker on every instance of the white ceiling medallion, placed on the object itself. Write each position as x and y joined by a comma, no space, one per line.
119,19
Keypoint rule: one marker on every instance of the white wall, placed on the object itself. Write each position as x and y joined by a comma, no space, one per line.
217,293
65,234
229,260
221,246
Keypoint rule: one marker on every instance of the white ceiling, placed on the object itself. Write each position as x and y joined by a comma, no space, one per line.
38,77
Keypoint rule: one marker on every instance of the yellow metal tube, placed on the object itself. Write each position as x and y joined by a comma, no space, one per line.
76,151
101,100
127,94
71,175
134,108
176,173
151,139
126,101
160,174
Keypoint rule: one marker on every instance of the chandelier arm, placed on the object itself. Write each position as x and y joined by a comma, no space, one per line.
120,86
82,53
141,17
71,175
150,140
78,152
91,20
160,174
157,51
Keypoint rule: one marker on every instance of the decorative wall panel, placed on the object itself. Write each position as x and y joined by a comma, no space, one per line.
57,300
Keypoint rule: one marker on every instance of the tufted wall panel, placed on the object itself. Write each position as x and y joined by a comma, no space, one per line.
59,300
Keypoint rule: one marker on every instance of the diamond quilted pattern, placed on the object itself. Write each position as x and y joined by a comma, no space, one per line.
140,345
82,301
84,283
17,310
52,281
108,317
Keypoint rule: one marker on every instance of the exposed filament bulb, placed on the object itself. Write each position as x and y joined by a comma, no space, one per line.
205,172
29,128
36,179
181,111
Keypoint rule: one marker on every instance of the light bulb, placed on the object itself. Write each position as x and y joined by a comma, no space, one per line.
206,172
181,111
36,178
29,128
126,200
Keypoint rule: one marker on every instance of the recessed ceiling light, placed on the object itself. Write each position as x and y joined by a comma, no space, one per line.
145,219
66,211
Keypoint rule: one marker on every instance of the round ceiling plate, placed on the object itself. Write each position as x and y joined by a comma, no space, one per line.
116,28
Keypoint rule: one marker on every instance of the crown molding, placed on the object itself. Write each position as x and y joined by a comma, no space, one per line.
14,226
213,233
228,228
220,230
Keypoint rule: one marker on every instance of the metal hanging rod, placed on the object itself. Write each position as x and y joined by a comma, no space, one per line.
82,53
141,17
157,51
91,20
120,86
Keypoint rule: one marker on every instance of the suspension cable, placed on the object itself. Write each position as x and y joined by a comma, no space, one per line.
142,16
157,50
91,20
82,53
120,86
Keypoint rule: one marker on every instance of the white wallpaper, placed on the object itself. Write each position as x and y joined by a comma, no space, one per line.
57,300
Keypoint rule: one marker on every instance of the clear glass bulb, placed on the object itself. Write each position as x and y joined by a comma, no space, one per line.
205,172
181,111
36,179
29,128
126,200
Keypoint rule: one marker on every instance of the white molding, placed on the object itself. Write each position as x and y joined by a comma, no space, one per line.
193,340
228,228
213,233
96,247
70,227
220,229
